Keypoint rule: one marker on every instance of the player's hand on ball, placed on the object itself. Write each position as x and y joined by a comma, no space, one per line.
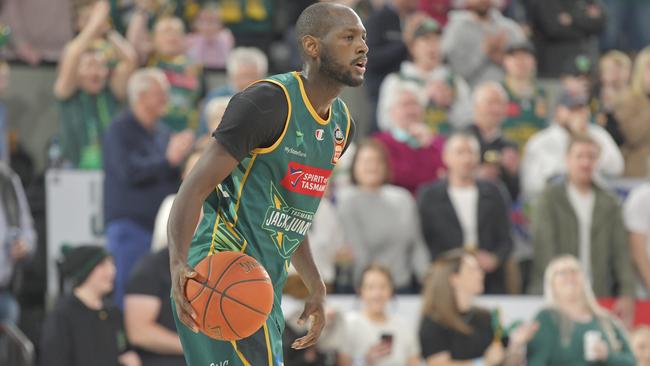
315,312
181,272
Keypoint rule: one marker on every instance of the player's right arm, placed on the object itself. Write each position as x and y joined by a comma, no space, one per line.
254,118
215,164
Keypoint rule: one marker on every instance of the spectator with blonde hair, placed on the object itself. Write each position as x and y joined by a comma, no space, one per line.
633,114
571,318
641,345
615,68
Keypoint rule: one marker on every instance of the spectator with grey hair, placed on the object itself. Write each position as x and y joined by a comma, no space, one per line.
245,65
414,152
141,165
499,156
89,94
462,211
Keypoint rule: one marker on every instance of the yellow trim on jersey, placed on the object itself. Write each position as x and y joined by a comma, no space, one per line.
243,247
268,344
241,186
241,356
214,234
347,130
266,150
311,109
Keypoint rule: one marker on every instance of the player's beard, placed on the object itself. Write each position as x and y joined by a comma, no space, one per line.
336,71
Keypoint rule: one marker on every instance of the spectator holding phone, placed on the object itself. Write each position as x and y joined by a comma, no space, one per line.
373,336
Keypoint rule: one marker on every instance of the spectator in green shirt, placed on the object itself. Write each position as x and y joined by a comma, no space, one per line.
572,316
527,103
88,90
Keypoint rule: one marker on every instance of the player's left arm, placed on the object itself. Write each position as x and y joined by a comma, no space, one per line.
303,261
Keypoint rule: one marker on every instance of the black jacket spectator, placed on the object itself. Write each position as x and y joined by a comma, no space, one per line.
442,229
564,29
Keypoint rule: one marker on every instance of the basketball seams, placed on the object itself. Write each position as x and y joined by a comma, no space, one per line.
207,303
224,294
224,315
207,278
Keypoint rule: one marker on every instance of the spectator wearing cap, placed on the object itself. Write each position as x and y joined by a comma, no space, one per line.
475,39
632,112
579,217
576,77
448,96
389,31
527,102
543,158
614,71
89,94
499,156
83,329
564,29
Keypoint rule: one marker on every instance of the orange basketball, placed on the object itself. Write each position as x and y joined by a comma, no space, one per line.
232,295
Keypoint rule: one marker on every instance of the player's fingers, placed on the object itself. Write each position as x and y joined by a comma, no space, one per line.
304,342
189,322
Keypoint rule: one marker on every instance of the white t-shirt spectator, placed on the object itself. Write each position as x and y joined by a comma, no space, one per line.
361,334
636,214
465,202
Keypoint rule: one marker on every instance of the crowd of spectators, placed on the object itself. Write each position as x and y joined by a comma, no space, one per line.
496,128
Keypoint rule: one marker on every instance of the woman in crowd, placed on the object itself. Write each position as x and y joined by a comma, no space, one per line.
83,329
373,336
453,331
574,329
380,221
633,115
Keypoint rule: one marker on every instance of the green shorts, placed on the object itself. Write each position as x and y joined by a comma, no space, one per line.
263,348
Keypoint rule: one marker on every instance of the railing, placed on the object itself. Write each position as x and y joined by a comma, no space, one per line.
15,348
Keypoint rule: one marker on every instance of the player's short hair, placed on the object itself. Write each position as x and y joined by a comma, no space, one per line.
317,20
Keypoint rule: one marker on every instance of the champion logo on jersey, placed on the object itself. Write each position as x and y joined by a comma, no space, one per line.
319,134
305,179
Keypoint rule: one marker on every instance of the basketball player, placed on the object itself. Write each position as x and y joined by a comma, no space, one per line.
264,175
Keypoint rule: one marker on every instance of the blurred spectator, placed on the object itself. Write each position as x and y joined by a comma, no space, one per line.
380,220
414,152
615,69
83,329
448,96
39,29
453,329
499,156
373,336
636,214
251,21
437,9
389,31
545,153
184,75
245,66
148,318
574,329
580,218
640,340
89,93
564,29
475,39
214,111
633,114
462,211
18,239
576,75
4,123
527,102
141,160
210,43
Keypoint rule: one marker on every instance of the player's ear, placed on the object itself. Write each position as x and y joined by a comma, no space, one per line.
311,46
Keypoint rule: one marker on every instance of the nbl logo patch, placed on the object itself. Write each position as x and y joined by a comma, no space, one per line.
305,179
339,143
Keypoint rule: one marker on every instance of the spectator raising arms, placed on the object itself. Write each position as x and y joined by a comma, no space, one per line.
89,93
574,330
374,336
